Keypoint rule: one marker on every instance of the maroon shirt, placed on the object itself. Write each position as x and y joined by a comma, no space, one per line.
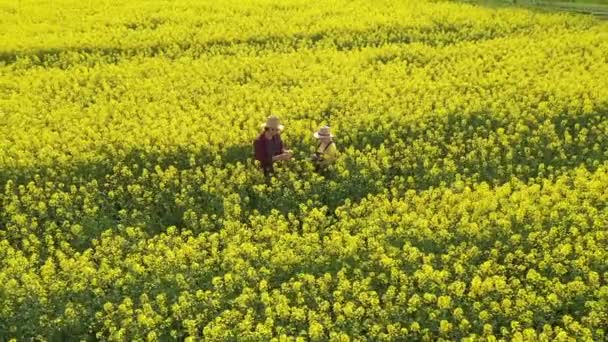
265,149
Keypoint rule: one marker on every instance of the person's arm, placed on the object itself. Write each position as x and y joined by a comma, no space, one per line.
285,154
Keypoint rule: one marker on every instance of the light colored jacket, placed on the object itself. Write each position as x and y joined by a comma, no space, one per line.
329,154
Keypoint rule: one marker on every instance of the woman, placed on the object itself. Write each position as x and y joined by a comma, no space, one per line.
268,147
326,153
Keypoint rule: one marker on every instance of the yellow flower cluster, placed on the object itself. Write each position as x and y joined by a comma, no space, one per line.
468,202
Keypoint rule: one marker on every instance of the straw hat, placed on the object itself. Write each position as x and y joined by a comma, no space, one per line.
323,132
273,122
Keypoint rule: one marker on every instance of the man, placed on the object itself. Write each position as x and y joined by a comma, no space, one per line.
268,147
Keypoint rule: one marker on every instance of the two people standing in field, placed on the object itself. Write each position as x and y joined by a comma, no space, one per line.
269,148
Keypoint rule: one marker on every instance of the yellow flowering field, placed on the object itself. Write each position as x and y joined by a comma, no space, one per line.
469,201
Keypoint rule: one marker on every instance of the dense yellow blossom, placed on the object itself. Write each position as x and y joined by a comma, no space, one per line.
468,201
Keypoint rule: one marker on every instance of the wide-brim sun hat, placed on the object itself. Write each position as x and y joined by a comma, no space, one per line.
273,122
323,132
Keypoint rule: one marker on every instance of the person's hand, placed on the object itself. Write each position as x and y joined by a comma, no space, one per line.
286,155
281,157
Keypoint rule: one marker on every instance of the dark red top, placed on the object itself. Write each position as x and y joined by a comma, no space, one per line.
265,149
